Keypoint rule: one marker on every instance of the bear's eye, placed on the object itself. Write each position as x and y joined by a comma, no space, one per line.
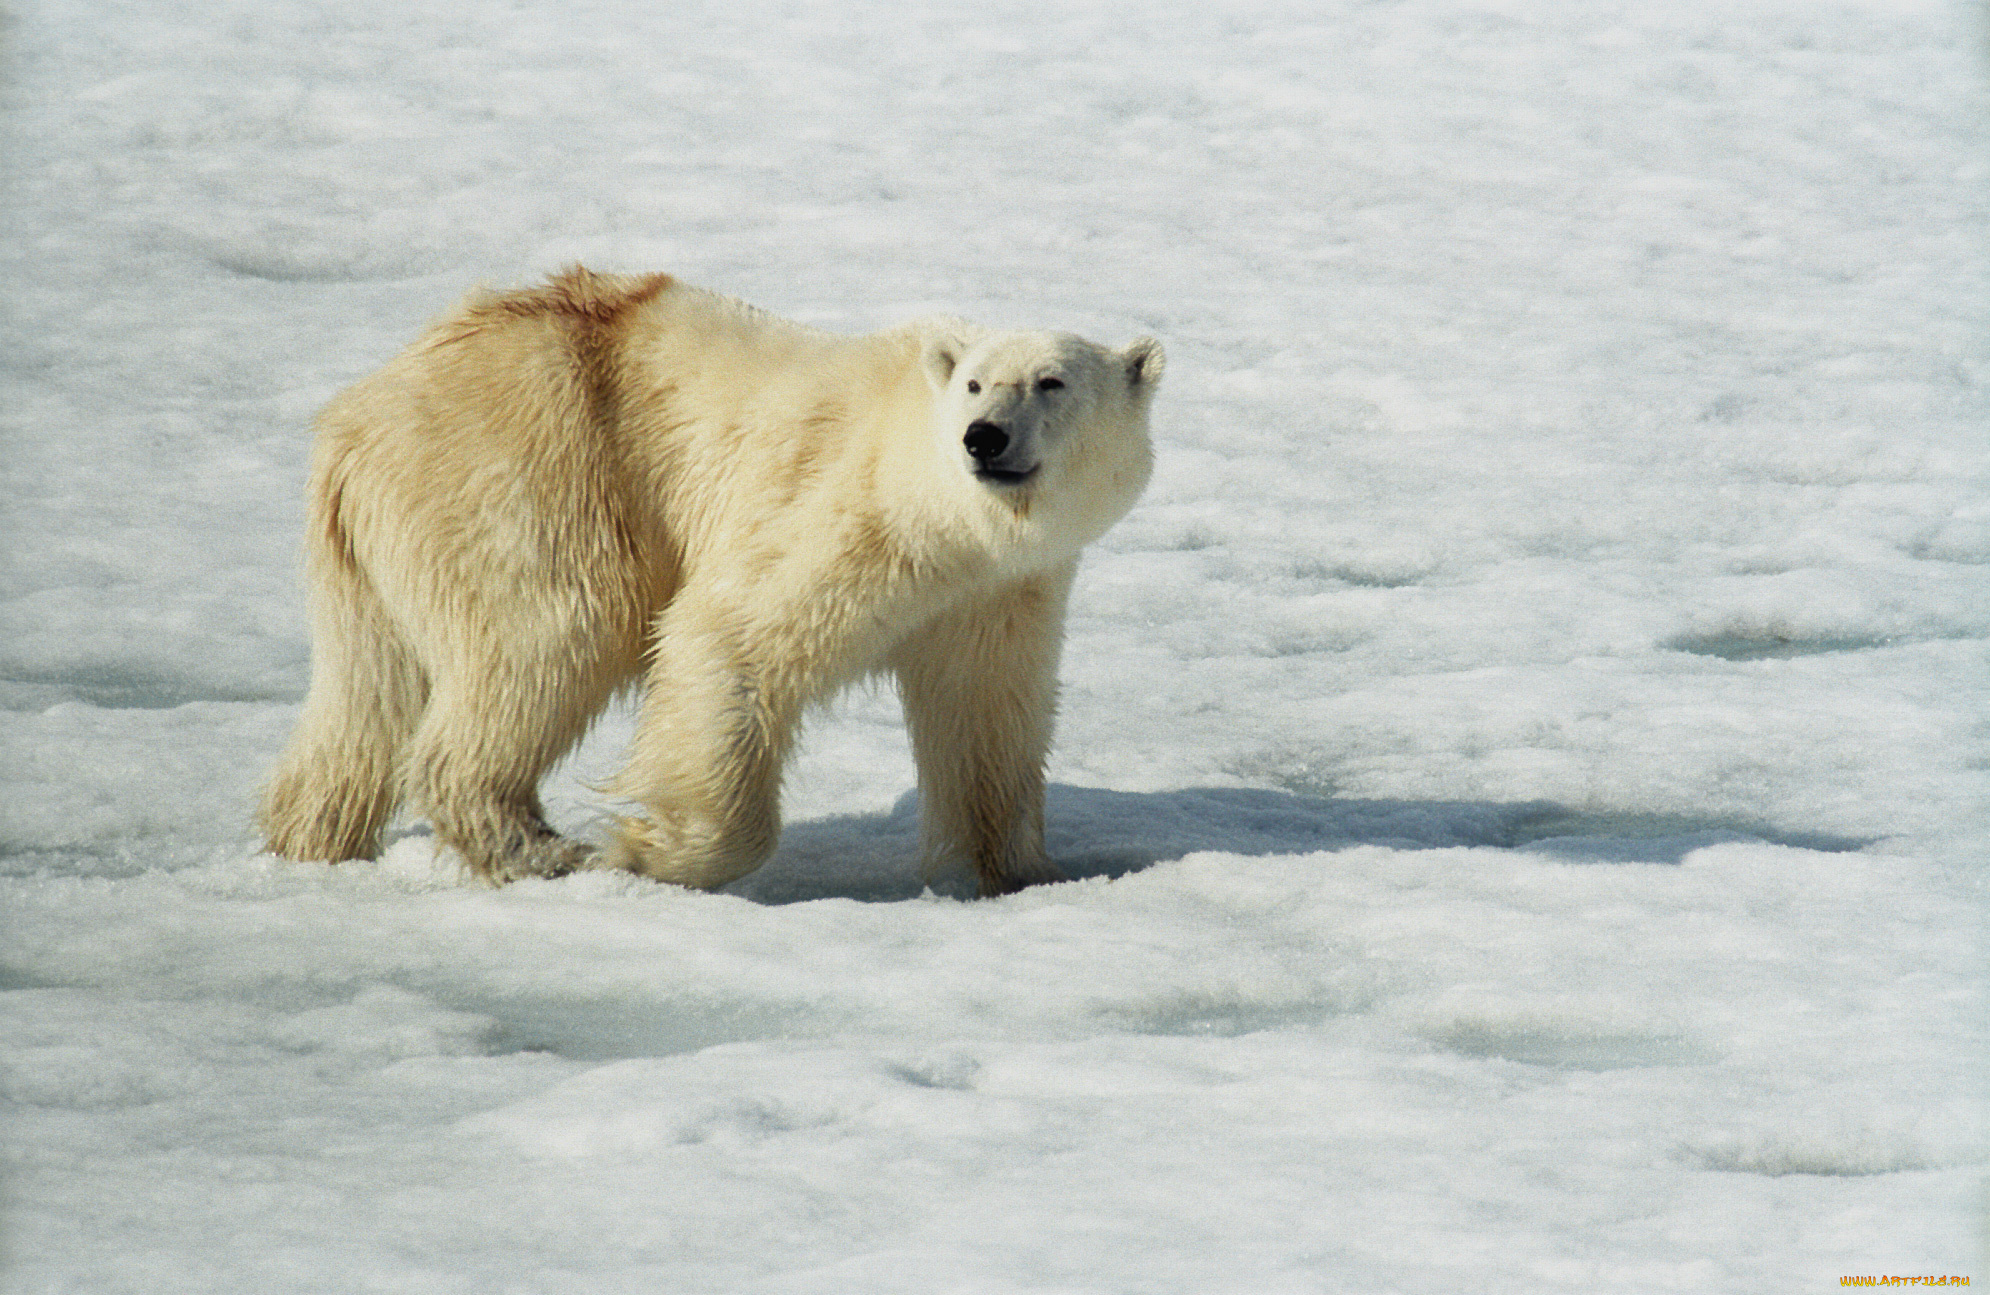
1050,384
973,387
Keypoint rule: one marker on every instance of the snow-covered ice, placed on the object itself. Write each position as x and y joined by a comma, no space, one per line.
1525,759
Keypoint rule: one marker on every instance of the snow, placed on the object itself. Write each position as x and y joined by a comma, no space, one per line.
1524,760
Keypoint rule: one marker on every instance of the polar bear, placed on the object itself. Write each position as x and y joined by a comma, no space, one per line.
604,481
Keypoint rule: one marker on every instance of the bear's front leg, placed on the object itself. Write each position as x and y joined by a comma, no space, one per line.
706,761
979,684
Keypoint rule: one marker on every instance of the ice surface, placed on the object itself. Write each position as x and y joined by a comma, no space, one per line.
1524,762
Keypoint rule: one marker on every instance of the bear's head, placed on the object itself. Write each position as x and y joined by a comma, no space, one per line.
1047,423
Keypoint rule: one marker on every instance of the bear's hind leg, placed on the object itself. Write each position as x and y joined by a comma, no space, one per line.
335,786
492,731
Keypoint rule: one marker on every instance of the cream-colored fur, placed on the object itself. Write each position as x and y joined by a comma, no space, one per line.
556,491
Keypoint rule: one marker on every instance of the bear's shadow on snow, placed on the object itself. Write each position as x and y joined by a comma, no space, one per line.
1096,833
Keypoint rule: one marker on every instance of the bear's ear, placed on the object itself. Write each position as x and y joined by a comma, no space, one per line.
1144,362
940,354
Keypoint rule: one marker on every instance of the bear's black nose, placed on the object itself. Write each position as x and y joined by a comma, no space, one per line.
984,440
